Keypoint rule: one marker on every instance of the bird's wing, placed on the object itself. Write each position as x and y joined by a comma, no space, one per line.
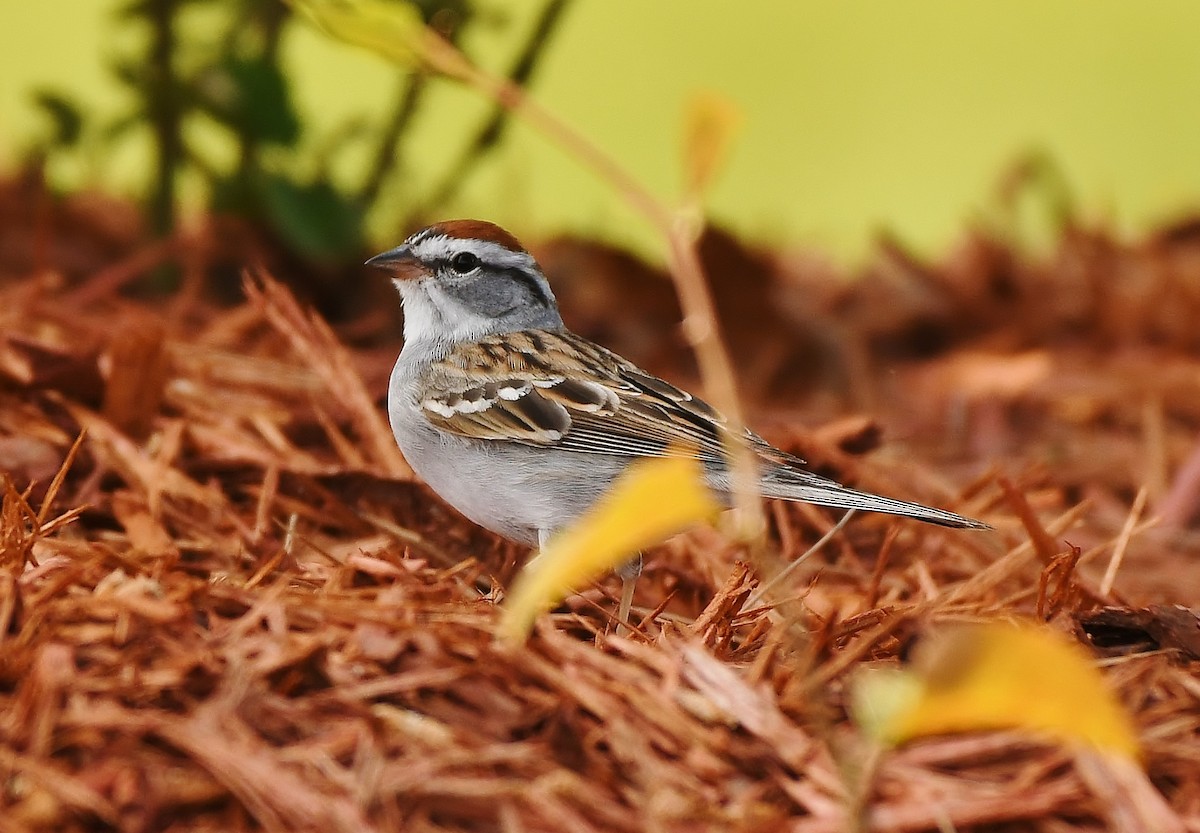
553,388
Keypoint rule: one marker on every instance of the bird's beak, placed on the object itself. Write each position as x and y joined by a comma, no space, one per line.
400,262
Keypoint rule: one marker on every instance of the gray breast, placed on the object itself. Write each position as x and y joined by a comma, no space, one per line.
512,489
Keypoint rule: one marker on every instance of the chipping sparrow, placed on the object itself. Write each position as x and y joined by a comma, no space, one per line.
520,424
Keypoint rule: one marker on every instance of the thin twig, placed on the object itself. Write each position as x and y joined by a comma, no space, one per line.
1114,563
786,571
387,156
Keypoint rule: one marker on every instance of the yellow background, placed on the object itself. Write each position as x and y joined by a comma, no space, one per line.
858,115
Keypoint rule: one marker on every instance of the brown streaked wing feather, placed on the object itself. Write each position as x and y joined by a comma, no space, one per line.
565,391
513,387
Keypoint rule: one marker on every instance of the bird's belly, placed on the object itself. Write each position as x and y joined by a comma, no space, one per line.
511,489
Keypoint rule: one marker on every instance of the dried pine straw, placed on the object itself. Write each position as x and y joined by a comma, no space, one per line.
229,607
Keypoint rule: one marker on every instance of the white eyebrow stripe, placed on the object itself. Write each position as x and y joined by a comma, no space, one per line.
441,247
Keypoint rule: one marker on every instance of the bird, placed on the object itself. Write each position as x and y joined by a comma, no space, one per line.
521,424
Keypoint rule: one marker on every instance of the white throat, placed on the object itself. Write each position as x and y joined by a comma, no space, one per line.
431,317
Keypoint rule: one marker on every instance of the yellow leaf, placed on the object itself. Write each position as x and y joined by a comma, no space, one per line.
991,676
651,501
711,123
391,29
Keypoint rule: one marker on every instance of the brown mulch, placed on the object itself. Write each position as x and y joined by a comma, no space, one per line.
225,604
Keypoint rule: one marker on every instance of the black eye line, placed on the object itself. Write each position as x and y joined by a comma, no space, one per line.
531,283
521,275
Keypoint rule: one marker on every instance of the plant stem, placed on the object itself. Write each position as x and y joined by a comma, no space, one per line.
163,107
492,131
387,156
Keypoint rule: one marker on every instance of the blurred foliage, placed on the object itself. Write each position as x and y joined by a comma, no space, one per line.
65,118
181,77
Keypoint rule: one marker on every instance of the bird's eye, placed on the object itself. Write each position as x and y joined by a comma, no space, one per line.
464,262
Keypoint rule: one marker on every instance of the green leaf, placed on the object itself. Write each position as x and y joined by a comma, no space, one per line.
251,97
64,115
394,30
313,218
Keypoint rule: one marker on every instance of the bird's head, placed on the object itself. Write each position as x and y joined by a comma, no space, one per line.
464,279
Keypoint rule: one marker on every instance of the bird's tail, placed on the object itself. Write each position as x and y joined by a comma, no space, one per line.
810,488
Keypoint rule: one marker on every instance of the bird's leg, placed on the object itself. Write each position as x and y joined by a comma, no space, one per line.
629,572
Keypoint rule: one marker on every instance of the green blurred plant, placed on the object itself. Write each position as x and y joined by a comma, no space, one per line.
237,82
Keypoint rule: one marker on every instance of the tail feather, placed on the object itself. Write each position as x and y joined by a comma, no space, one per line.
824,492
